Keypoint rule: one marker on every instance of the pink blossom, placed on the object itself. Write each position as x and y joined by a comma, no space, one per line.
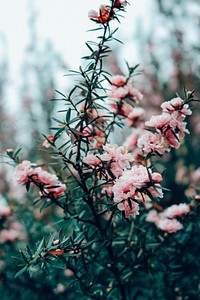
169,225
118,80
118,157
153,216
118,154
92,160
45,177
130,207
118,93
177,210
134,183
23,171
108,190
153,143
171,126
176,104
177,124
172,139
104,16
56,190
134,93
135,116
46,143
131,140
159,122
156,191
119,4
10,150
156,177
121,108
122,88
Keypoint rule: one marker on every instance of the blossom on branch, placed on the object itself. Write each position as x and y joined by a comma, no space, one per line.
104,16
137,184
48,183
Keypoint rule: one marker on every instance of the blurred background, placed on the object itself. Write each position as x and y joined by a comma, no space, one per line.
40,41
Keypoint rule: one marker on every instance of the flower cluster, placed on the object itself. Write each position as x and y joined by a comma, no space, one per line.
106,13
48,183
134,186
167,219
115,159
170,128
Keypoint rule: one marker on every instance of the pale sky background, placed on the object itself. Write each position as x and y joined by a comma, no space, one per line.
64,22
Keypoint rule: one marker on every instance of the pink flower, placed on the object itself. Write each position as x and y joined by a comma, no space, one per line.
114,157
172,139
118,93
159,122
122,88
118,154
46,143
153,216
177,210
176,104
131,140
171,126
156,191
23,171
45,177
135,117
121,108
104,16
136,184
169,225
10,150
156,177
56,190
178,125
118,157
153,143
92,160
131,208
119,4
118,80
134,93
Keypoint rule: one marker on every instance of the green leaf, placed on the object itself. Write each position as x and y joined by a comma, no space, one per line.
68,115
24,269
40,247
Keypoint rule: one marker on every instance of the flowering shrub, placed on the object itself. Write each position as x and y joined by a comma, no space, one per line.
116,236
